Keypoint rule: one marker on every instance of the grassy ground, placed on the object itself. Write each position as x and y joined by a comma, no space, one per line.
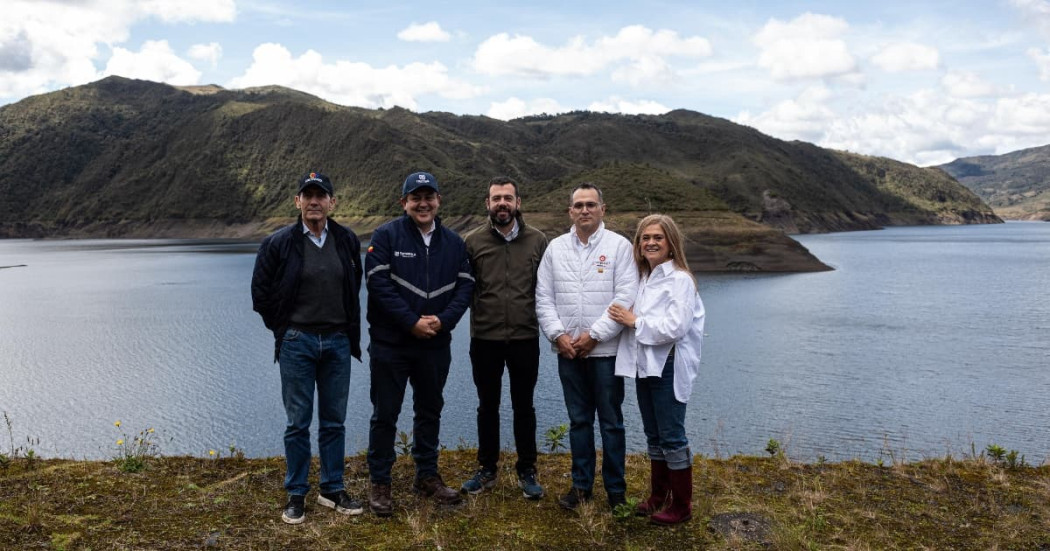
739,503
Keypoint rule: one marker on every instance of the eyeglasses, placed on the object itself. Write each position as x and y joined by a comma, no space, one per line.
589,205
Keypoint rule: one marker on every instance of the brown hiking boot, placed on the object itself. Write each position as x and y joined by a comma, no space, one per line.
433,487
379,500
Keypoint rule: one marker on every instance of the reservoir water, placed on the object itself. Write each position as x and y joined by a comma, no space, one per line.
924,341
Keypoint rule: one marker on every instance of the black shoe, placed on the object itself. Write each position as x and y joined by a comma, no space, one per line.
295,510
530,488
341,502
482,480
616,499
574,498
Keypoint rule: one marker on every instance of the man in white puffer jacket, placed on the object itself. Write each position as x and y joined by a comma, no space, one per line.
582,273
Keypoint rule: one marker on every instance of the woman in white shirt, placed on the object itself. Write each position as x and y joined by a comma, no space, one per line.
660,346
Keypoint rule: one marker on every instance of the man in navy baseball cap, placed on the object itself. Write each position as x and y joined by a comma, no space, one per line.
319,180
420,284
418,180
305,286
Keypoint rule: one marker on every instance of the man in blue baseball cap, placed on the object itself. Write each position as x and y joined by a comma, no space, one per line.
305,286
420,284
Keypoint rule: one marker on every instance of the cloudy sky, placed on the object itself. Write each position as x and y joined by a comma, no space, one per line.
919,81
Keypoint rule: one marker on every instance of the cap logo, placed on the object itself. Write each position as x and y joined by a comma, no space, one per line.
421,178
313,175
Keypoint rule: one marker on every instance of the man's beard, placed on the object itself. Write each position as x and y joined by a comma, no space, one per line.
494,216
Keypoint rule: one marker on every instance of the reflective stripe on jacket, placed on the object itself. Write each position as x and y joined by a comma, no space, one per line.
407,280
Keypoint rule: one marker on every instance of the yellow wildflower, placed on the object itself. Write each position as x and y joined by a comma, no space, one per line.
150,430
116,424
211,452
120,442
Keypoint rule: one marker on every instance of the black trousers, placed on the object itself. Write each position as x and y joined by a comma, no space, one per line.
522,360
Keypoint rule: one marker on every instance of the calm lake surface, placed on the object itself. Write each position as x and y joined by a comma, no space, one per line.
922,341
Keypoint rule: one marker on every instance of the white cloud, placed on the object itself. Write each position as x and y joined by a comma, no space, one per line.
49,44
352,83
644,70
925,127
1042,61
809,46
906,56
964,84
515,108
637,55
619,105
155,61
210,52
1036,12
1027,114
184,11
803,118
427,32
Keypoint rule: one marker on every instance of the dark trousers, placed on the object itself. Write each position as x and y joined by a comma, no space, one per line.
392,369
522,359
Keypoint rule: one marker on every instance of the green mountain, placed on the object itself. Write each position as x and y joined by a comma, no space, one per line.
123,157
1016,185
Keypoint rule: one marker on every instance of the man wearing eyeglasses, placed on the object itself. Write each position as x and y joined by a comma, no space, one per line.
583,273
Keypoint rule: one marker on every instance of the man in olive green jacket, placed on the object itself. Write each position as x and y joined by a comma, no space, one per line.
505,254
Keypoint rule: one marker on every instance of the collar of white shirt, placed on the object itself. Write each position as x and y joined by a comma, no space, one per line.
590,241
513,232
319,241
429,233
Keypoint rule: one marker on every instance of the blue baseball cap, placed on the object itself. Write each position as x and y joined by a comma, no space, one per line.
418,180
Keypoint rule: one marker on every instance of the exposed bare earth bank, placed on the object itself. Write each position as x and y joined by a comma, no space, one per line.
716,241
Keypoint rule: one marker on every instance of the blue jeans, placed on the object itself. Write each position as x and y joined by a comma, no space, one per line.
590,385
663,419
393,367
308,360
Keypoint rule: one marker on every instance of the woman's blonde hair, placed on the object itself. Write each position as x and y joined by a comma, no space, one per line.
674,243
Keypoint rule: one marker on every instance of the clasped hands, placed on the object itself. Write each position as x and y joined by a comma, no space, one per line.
579,347
427,327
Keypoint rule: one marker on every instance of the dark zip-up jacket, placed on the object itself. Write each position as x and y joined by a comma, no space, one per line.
504,306
278,269
407,280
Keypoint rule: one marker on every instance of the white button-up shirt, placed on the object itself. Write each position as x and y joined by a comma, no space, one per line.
319,241
669,313
428,233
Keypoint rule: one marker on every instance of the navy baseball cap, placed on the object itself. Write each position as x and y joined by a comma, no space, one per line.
316,179
418,180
